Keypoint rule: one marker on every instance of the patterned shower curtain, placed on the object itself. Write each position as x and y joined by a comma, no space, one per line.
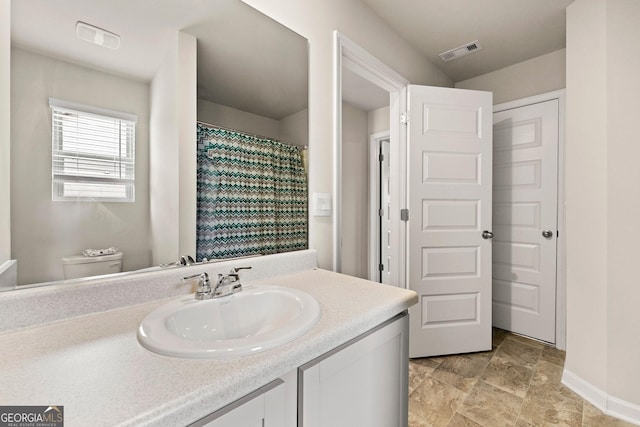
252,195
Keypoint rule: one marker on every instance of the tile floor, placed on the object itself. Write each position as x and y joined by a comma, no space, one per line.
515,384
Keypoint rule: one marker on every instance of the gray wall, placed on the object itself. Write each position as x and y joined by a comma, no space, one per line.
603,202
355,190
317,21
357,127
379,120
173,153
44,231
543,74
232,118
293,129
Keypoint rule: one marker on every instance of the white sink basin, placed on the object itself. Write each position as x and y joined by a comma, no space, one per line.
256,319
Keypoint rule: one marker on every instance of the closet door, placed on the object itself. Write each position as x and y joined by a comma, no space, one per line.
525,205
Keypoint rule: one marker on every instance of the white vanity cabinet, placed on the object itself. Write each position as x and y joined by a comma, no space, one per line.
361,383
263,408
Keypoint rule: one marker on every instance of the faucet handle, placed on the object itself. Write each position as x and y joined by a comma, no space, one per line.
186,260
231,279
233,275
204,285
204,276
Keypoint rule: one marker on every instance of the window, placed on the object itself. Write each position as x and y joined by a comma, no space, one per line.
93,153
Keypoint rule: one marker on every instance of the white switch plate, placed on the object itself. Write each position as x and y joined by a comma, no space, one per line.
321,204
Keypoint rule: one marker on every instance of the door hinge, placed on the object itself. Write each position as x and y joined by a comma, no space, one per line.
380,267
380,212
381,157
404,215
404,118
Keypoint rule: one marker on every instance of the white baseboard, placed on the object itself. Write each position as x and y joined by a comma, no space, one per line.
8,275
610,405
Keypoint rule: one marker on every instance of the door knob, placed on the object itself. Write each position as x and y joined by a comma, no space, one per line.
487,234
547,234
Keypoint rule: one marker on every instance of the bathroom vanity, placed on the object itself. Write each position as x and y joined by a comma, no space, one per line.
362,382
349,369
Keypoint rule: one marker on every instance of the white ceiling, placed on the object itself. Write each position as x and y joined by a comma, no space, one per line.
510,31
262,71
49,27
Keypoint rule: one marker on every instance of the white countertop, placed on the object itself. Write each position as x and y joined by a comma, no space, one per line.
95,367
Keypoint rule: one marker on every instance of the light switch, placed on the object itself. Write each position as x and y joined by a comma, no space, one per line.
321,204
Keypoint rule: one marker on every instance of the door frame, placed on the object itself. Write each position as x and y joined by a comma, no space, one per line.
348,54
374,201
561,286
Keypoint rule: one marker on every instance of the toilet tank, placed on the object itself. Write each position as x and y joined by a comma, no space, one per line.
82,266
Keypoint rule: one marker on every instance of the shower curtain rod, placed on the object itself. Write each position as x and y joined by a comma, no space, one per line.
251,134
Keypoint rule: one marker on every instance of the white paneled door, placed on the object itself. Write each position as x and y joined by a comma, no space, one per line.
525,197
449,197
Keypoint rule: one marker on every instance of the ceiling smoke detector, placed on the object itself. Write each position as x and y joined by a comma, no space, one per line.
95,35
461,51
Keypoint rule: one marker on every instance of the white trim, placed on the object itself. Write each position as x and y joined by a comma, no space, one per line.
68,105
624,410
9,275
374,202
535,99
608,404
337,152
561,269
588,392
561,284
352,56
399,170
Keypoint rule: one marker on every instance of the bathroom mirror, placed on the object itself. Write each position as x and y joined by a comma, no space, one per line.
252,77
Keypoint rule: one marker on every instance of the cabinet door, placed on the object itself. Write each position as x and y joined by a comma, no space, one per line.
262,408
362,383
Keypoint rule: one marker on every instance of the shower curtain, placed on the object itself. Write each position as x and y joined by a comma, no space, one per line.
252,195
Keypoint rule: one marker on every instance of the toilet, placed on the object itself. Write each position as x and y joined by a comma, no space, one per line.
82,266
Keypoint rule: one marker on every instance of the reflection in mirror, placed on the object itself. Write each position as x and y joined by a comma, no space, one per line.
365,112
251,74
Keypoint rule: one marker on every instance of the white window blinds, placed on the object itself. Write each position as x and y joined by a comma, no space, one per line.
93,153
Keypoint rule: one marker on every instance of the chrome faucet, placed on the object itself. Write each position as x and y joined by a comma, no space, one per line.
227,284
231,281
204,286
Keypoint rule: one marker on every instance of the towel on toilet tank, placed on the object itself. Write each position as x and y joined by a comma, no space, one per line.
98,252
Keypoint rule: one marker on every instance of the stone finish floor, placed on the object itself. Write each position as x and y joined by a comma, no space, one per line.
515,384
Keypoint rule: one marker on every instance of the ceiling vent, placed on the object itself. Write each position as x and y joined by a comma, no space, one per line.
93,34
460,51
